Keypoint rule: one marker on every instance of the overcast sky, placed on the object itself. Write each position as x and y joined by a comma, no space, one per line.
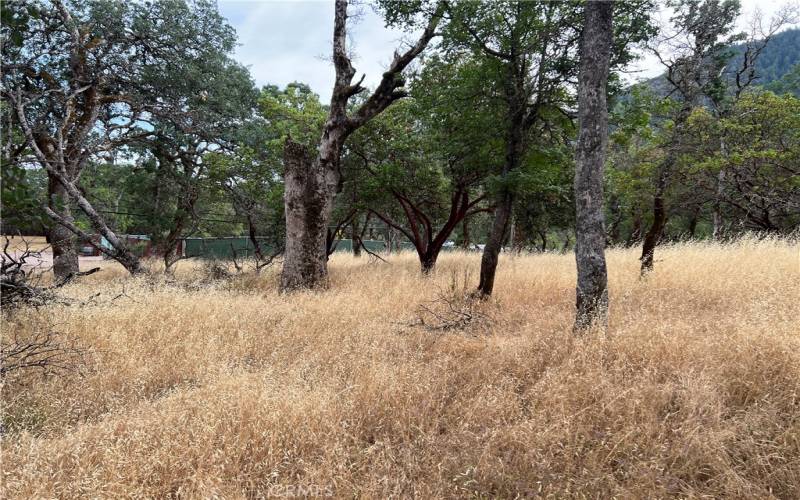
282,41
290,40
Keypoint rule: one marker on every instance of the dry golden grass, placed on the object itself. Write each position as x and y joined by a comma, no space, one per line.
33,243
233,390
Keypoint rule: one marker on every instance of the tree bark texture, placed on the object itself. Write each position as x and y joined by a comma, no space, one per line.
63,163
308,200
491,252
590,237
62,240
119,250
311,182
520,119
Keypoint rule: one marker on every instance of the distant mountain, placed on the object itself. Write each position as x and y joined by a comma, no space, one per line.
777,67
779,57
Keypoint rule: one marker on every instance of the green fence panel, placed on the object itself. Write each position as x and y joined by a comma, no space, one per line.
223,248
219,248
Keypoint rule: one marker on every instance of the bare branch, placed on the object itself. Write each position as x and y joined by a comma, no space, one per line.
387,90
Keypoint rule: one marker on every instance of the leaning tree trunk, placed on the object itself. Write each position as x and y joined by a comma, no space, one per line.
308,199
62,240
63,169
169,246
502,212
660,213
654,234
590,237
491,252
515,146
119,250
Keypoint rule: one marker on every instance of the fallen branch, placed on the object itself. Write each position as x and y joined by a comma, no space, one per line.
371,253
455,309
20,280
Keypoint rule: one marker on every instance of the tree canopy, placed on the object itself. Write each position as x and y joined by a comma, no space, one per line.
134,117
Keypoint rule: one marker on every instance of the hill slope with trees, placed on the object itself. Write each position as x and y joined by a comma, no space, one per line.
777,67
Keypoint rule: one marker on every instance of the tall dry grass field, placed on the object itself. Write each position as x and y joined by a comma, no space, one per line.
232,390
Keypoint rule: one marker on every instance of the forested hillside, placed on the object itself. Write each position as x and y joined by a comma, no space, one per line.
777,66
780,57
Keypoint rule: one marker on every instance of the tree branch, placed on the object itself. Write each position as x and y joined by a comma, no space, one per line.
387,90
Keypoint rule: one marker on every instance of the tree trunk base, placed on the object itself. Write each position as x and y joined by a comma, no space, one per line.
62,241
308,202
491,252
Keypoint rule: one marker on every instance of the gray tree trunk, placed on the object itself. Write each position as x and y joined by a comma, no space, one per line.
119,251
311,181
65,173
308,200
355,238
62,240
590,240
